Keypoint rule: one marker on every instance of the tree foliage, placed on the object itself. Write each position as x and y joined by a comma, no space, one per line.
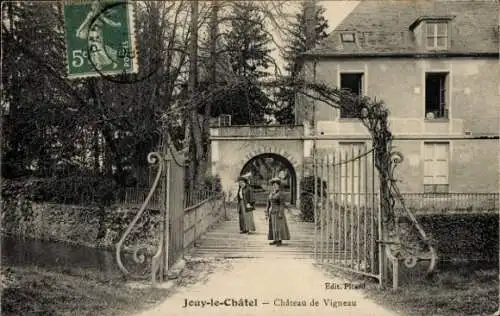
39,107
248,47
296,43
104,127
54,126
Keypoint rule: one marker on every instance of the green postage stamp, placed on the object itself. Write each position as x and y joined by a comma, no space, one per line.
100,38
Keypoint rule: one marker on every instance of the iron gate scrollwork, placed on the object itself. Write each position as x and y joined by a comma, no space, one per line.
155,158
170,244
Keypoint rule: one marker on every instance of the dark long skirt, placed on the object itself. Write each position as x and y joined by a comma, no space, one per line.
247,223
278,228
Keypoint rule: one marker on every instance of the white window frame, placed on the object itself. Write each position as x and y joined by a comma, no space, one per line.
435,36
348,37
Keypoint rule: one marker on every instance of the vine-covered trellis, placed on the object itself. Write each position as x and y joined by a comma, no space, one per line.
404,237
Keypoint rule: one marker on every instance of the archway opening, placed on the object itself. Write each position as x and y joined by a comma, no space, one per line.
266,166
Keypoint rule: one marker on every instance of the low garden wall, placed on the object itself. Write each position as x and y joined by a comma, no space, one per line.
199,218
101,227
462,227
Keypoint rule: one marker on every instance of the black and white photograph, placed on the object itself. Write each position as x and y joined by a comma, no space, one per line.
237,157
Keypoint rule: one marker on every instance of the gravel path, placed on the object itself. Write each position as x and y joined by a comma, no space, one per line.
267,286
270,281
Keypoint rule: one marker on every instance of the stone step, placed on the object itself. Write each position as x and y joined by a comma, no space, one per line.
253,255
224,240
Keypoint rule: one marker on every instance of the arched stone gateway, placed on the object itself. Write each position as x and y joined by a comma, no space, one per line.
266,166
232,148
271,150
284,161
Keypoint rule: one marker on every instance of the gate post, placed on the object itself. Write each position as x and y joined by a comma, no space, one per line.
166,214
160,260
382,258
381,224
315,194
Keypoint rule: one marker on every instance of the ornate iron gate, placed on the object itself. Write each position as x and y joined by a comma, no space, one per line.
168,187
347,211
175,207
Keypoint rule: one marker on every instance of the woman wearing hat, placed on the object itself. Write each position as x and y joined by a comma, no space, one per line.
275,212
245,206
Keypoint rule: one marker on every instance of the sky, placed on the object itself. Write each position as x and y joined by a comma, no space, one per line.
336,11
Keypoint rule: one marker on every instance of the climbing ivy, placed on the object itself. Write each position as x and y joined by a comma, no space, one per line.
403,234
374,116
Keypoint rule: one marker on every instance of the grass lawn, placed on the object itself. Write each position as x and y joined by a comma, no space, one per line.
459,290
34,290
72,291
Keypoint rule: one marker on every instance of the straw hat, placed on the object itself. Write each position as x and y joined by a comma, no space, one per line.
244,177
241,178
275,180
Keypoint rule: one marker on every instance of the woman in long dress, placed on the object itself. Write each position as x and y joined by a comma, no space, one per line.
246,206
275,212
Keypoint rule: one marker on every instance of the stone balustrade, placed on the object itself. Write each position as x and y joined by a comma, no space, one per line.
292,131
399,126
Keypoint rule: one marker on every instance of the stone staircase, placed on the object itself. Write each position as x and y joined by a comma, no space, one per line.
224,240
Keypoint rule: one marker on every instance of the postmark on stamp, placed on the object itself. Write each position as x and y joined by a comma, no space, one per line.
100,39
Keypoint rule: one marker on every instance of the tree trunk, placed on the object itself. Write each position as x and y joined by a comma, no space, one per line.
97,152
195,131
213,80
310,17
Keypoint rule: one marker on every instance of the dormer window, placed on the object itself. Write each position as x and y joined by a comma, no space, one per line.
347,37
432,32
437,34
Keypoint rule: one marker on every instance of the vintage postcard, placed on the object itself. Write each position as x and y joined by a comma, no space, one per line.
250,157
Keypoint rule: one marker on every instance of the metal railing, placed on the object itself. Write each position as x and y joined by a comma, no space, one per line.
205,210
451,203
134,197
346,211
198,197
437,203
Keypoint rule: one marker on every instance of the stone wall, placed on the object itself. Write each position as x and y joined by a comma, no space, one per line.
95,227
198,219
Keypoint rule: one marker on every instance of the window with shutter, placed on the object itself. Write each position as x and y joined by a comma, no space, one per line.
442,99
435,95
436,165
352,82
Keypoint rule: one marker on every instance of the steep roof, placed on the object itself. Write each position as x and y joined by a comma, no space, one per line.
382,28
